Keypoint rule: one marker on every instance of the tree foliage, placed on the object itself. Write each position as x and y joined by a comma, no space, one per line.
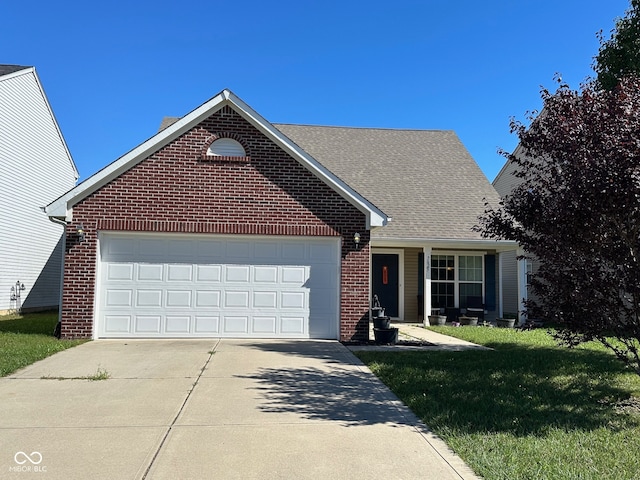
578,211
620,55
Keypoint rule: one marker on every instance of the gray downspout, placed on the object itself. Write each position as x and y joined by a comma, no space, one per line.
64,248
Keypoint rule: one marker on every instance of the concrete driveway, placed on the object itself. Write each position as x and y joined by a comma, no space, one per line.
174,409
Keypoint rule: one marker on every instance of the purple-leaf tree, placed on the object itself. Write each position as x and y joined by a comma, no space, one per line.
577,210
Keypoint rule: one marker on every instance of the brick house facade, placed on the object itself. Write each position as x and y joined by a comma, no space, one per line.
179,189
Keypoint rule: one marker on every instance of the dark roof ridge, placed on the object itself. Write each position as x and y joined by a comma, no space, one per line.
392,129
7,69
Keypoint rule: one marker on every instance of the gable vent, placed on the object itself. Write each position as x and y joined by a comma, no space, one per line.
226,147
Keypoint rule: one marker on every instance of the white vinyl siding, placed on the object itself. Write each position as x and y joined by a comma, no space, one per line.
35,169
510,300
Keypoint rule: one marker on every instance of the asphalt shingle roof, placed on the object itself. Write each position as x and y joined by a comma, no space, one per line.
425,180
7,69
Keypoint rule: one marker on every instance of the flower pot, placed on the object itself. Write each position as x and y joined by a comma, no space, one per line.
471,321
385,336
437,319
382,322
505,322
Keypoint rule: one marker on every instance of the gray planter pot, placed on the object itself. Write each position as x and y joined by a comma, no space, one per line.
382,322
437,319
505,322
470,321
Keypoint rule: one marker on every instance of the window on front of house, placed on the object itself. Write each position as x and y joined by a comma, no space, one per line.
455,278
226,147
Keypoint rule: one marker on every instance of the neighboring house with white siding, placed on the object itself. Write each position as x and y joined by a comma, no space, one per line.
35,166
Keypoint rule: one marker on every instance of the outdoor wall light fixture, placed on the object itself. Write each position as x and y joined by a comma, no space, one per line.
15,291
80,232
356,240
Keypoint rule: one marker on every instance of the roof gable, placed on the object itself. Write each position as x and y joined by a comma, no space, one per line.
63,206
24,85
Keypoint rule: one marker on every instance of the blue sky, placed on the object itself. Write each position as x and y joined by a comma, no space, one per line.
112,70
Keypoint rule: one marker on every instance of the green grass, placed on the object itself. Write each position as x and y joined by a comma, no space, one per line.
25,339
527,409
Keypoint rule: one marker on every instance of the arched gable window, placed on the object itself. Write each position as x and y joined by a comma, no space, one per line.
226,147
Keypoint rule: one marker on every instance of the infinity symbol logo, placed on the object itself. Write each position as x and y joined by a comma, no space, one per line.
34,458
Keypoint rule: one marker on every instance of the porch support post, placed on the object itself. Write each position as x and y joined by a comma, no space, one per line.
522,287
426,294
500,285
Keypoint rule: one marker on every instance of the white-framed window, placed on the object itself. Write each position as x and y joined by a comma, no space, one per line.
528,265
455,277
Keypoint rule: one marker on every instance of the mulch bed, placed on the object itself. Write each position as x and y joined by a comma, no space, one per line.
399,343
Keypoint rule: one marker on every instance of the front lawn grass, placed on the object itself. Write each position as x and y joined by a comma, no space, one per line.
528,409
25,339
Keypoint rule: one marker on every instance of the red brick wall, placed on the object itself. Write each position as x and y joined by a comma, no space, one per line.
177,189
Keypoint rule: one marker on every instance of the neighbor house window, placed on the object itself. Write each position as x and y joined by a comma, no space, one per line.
455,278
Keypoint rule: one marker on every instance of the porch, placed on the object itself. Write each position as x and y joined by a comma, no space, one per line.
443,278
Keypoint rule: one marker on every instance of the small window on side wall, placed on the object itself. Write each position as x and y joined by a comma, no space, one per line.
226,147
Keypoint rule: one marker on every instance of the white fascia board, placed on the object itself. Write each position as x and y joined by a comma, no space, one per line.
375,216
63,206
439,243
55,123
17,73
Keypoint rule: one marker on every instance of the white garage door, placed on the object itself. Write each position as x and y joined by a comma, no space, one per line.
217,286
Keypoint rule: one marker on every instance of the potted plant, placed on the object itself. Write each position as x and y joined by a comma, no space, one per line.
437,320
382,330
508,320
471,321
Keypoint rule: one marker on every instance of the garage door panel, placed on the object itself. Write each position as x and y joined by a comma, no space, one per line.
149,298
179,273
119,298
178,324
266,251
208,273
235,324
181,286
150,272
294,275
265,299
236,299
120,271
207,298
179,298
117,324
240,250
264,325
151,248
296,300
294,252
237,274
293,325
147,324
265,275
205,324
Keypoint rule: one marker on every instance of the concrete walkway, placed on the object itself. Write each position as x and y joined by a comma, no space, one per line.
227,409
415,332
